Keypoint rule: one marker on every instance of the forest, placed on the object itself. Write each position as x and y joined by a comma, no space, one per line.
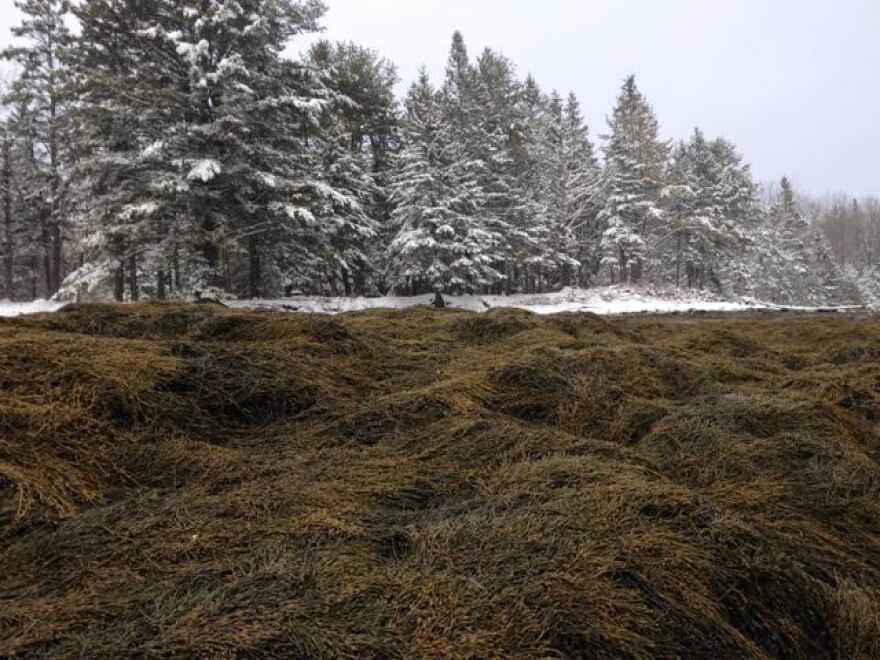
165,149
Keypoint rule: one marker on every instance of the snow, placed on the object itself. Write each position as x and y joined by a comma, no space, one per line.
9,309
604,301
205,170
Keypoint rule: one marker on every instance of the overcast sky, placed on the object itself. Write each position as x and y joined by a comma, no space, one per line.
794,83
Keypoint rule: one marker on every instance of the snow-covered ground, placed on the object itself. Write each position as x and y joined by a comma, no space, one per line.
8,309
606,301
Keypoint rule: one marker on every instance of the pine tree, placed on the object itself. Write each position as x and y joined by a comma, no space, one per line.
439,244
635,158
571,188
367,80
710,201
369,119
39,88
198,137
9,238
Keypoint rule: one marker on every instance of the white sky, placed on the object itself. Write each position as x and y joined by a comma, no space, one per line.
795,83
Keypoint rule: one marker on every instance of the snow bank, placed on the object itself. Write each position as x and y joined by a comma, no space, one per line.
606,301
8,309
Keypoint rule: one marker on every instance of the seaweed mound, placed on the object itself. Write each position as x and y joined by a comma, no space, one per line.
193,481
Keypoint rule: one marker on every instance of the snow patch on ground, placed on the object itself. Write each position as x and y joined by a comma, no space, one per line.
604,301
9,309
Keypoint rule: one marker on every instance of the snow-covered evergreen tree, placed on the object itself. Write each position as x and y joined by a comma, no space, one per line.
14,236
571,189
350,227
532,243
21,204
440,244
793,261
43,39
710,198
369,119
635,158
211,147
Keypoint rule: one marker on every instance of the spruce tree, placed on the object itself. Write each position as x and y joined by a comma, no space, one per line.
198,140
368,118
439,243
45,39
530,237
571,188
635,158
709,202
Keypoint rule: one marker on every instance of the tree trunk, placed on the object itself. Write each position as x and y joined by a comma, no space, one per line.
678,263
34,268
638,269
57,239
175,269
46,240
133,278
161,292
624,274
360,282
119,284
8,235
331,280
346,281
255,269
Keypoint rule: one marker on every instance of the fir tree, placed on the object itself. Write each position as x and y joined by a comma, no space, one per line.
439,244
635,158
572,189
199,138
39,88
710,200
369,118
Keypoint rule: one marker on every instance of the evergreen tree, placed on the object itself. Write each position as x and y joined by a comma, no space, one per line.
571,188
367,80
439,244
710,199
793,261
39,89
491,135
635,158
351,229
531,233
9,238
369,118
198,139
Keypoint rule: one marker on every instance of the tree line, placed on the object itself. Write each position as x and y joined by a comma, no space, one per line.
170,148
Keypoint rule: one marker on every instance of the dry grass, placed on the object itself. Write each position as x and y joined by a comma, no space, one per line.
191,482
